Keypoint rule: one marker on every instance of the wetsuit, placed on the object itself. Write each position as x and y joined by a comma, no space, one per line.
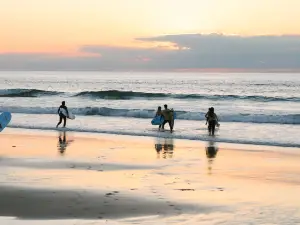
61,115
168,116
212,122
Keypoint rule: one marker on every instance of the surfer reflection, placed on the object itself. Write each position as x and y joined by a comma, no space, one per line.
211,153
62,142
166,146
158,148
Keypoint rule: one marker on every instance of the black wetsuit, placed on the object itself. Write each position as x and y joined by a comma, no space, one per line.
212,119
168,116
212,126
61,115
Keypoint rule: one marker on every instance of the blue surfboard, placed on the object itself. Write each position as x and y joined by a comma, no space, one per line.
158,120
5,118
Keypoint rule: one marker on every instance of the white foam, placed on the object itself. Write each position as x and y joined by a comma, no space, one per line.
149,113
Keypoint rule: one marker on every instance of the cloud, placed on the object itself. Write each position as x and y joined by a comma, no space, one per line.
220,51
192,51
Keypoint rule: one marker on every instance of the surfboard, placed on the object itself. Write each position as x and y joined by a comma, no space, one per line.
64,112
174,115
71,116
158,120
5,118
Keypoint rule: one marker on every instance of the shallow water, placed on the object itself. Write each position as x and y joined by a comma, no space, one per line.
253,108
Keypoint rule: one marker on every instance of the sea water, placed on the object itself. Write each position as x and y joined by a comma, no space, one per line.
253,108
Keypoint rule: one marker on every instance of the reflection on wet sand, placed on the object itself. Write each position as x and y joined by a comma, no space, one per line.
166,146
62,142
211,153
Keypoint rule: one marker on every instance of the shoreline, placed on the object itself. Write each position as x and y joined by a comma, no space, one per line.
165,134
230,145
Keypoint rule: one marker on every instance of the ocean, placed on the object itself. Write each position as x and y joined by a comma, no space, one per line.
253,108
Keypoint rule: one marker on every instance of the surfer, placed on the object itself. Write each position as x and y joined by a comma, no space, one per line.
159,113
212,120
63,113
169,118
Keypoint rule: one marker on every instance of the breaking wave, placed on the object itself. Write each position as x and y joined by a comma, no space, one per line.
148,113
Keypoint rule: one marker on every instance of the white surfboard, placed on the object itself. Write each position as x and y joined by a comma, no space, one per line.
5,118
71,116
64,112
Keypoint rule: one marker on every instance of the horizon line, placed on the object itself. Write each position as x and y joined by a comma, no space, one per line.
190,70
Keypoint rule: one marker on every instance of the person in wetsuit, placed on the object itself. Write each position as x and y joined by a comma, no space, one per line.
159,113
62,116
168,116
212,120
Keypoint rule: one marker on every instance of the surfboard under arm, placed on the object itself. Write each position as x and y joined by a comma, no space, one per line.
5,118
64,112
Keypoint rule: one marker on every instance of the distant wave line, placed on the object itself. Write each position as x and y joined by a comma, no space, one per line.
128,95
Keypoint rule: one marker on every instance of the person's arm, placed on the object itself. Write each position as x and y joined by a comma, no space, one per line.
58,110
206,116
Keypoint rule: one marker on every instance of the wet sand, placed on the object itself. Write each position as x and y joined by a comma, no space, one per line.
114,179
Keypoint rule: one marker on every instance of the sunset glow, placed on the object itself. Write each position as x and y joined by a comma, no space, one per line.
63,26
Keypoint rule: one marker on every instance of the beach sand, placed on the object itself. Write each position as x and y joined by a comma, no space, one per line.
75,178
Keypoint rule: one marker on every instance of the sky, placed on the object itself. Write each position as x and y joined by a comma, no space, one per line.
149,34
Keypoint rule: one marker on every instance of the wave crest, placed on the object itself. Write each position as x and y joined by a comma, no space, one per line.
116,94
26,93
127,95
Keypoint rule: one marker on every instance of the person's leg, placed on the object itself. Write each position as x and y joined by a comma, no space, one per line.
207,122
171,126
209,127
60,120
213,127
163,125
65,121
